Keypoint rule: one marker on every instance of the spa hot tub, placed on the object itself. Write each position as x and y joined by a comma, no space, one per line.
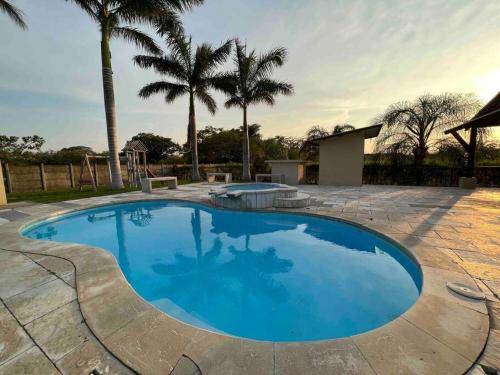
258,195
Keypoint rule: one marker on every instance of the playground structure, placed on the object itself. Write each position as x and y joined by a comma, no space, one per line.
92,168
137,169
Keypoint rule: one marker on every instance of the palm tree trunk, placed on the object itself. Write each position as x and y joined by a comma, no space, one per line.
194,139
246,148
109,107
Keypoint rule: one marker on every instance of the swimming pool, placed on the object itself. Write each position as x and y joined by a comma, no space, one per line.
263,276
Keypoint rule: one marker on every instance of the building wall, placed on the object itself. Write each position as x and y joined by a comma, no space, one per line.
341,160
293,172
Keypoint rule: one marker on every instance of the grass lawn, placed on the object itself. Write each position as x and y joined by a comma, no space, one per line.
59,195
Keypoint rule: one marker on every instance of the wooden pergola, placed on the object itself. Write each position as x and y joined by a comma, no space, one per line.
488,116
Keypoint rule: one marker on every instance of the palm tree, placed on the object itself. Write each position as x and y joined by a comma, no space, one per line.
193,72
13,12
114,18
249,84
415,127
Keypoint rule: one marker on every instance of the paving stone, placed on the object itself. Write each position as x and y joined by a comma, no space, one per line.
436,257
402,348
98,260
94,283
491,355
110,311
434,283
220,355
327,357
482,271
69,279
39,301
13,339
456,326
60,331
151,344
66,205
11,261
56,265
494,286
11,215
31,362
91,356
186,366
29,275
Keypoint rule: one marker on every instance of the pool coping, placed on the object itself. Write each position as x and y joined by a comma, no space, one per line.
441,333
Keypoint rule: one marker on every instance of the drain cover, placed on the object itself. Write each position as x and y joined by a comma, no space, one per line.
465,290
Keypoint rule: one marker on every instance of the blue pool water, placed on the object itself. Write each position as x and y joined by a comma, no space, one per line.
252,186
264,276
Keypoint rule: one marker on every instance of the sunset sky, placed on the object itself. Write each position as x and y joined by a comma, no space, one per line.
348,61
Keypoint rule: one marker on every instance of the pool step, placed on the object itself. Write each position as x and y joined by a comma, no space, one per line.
299,201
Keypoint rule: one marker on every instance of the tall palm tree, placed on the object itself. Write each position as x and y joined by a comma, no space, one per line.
194,74
114,18
251,83
13,12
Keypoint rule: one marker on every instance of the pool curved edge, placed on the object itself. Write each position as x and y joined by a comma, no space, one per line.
132,329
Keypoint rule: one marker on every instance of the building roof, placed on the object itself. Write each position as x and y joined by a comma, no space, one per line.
135,145
487,116
368,132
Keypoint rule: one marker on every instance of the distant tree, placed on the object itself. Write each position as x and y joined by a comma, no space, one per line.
251,83
114,19
14,13
78,149
311,151
159,148
194,75
416,126
341,128
218,145
16,146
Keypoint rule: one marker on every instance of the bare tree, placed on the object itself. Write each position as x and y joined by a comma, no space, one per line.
416,127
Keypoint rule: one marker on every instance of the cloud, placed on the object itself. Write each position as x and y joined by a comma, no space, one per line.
348,61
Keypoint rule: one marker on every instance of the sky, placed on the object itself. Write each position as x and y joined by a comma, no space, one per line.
348,61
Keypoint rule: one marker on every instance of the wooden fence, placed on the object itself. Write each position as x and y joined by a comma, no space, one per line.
24,178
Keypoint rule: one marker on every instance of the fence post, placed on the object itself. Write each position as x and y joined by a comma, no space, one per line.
3,196
7,177
42,177
71,175
96,174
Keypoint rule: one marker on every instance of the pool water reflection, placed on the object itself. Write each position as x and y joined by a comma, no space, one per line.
264,276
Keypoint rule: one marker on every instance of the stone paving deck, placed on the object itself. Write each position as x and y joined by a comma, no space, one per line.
67,308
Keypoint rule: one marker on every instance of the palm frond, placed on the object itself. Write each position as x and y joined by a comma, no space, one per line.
207,59
14,13
266,89
171,90
166,65
226,82
268,61
137,37
233,102
146,11
179,44
207,99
